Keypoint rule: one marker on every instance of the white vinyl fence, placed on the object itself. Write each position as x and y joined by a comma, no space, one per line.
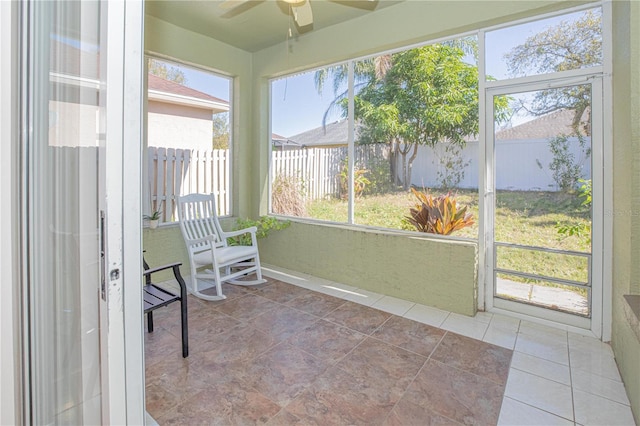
517,165
175,172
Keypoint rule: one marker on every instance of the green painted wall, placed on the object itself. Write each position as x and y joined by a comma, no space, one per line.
406,23
626,348
430,271
413,268
165,245
413,22
626,191
372,33
434,272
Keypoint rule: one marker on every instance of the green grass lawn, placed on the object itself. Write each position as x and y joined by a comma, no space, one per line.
522,217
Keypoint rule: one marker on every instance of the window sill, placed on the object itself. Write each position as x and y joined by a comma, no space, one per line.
161,225
373,229
632,312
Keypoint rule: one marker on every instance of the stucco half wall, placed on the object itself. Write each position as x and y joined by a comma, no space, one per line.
435,272
431,271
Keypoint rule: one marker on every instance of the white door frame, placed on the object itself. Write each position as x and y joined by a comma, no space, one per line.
121,350
487,198
121,156
10,390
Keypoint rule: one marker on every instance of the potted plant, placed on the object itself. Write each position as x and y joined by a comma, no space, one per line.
153,218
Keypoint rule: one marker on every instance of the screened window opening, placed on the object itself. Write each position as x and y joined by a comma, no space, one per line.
416,115
406,145
188,137
309,144
562,43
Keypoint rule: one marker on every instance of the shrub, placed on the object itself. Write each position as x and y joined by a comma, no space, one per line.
379,176
265,225
438,215
286,197
452,165
580,229
360,180
566,170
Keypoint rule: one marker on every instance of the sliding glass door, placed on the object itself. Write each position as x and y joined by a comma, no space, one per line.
72,221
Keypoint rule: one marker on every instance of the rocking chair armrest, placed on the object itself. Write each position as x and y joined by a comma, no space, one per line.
250,230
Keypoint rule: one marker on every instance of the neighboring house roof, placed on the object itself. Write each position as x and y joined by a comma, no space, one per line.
333,134
171,92
277,137
543,127
167,86
78,65
280,141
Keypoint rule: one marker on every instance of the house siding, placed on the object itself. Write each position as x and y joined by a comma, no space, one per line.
178,126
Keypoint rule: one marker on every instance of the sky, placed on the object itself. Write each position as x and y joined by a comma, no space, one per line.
298,107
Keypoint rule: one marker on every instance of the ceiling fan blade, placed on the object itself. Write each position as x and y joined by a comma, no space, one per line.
359,4
233,8
230,4
302,14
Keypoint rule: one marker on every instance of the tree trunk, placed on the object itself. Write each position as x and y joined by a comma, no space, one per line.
393,163
414,154
406,182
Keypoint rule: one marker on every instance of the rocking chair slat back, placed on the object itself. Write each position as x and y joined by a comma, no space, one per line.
200,220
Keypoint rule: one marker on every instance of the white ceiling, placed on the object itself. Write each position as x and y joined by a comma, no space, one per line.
256,24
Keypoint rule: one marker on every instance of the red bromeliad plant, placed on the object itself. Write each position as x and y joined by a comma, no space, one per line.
438,215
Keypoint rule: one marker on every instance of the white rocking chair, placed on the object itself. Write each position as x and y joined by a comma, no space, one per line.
208,247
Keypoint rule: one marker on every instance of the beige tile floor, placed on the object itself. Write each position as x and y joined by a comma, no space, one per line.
302,350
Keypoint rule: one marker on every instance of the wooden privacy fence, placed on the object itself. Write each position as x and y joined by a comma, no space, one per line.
317,170
175,172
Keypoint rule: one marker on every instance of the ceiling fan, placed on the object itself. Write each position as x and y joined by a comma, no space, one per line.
300,9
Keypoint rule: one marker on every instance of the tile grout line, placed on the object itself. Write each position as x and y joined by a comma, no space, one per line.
542,377
517,332
283,342
416,376
330,364
541,409
370,335
573,401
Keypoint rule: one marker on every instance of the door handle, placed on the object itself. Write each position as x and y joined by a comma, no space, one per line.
103,278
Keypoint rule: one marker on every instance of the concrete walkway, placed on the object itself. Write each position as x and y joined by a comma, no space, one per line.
551,297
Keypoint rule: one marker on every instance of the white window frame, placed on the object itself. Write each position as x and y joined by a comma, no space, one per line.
351,133
603,225
485,173
230,189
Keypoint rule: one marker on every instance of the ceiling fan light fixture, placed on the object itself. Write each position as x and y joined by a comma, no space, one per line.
294,2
